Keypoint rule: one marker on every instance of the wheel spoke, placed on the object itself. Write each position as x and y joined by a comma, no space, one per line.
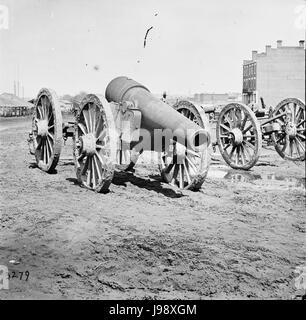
281,138
227,145
232,152
93,173
85,166
50,145
243,157
244,121
102,134
298,114
301,123
301,136
225,127
42,108
297,147
93,118
44,104
237,155
50,113
249,144
97,167
247,128
236,117
99,157
86,118
292,109
190,152
300,144
99,126
246,149
192,165
291,148
181,176
51,136
40,112
83,128
239,118
185,164
228,120
81,157
280,121
51,119
280,115
45,152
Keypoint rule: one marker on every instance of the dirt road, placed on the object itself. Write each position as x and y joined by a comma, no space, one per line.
241,236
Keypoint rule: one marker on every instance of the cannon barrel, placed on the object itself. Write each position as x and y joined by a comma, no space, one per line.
155,113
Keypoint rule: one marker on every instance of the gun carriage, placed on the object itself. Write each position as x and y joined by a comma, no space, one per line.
240,131
111,132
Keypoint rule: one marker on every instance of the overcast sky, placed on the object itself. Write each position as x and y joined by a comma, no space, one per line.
194,46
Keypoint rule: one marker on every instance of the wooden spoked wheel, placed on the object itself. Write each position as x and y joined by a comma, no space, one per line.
180,166
94,143
290,141
47,130
239,136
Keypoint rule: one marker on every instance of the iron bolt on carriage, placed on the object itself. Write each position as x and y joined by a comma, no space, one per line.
109,134
240,131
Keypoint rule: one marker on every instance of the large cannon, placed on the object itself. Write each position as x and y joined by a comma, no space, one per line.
111,133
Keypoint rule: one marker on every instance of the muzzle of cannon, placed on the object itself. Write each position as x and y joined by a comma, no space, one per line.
107,136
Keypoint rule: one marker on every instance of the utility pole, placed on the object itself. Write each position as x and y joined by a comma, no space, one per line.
18,84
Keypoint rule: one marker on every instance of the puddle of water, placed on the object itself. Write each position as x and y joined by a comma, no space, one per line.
221,172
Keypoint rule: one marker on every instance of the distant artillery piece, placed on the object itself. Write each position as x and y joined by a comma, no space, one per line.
109,133
240,131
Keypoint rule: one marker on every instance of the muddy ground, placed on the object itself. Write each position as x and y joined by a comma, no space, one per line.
240,237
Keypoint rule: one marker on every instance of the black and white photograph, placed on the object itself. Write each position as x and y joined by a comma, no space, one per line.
152,150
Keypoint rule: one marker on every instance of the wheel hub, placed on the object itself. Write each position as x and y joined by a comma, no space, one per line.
42,127
237,136
291,130
88,144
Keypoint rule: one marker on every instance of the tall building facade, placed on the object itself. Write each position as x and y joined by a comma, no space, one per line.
274,75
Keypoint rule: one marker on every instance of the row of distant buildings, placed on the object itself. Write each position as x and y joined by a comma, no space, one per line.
13,106
268,78
216,98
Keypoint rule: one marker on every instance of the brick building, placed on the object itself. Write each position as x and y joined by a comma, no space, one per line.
274,75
